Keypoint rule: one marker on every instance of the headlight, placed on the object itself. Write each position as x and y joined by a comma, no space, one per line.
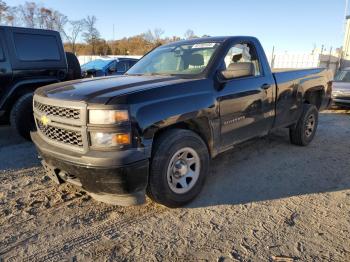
108,116
336,93
102,139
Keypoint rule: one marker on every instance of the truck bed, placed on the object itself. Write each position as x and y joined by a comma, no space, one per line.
291,84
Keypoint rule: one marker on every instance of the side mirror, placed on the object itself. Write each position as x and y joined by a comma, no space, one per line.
236,70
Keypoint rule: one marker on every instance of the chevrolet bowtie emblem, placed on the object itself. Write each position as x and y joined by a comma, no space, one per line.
45,120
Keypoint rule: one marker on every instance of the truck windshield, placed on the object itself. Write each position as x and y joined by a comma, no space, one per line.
182,59
342,76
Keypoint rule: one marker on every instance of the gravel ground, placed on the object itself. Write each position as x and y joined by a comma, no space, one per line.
264,200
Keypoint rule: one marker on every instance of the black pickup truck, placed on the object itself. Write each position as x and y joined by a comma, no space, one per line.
155,128
30,58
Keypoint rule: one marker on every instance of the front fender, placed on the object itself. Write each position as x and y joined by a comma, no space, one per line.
156,115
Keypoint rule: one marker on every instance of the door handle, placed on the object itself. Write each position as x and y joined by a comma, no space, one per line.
265,86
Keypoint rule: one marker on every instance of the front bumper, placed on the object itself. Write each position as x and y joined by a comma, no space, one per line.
341,101
113,177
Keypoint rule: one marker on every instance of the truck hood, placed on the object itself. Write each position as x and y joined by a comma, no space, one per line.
101,90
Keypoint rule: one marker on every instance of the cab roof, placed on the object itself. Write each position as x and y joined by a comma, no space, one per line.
209,39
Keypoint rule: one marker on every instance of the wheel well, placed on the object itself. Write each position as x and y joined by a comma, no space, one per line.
314,97
200,126
20,91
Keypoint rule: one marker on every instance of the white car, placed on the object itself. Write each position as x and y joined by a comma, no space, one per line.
341,88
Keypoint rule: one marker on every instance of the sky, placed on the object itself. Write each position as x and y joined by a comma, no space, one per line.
289,25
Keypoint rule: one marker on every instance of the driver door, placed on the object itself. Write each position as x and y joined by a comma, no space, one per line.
246,102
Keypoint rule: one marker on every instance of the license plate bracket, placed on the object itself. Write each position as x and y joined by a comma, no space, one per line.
50,171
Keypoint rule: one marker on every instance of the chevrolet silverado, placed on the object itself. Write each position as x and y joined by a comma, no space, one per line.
156,128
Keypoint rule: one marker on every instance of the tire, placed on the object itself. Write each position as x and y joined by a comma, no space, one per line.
74,69
305,129
21,116
173,194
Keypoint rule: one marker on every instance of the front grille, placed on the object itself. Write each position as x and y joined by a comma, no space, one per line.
69,113
343,97
67,137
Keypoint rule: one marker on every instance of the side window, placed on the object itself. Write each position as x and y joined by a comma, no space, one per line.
2,57
35,47
131,63
244,54
122,67
112,67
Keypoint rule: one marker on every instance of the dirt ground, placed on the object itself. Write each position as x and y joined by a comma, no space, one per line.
263,201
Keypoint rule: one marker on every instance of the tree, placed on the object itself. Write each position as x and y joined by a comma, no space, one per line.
72,34
189,34
36,16
91,34
7,14
59,22
158,32
29,13
12,14
3,11
154,36
45,18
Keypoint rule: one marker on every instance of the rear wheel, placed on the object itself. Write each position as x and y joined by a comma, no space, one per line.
304,131
21,116
74,69
178,168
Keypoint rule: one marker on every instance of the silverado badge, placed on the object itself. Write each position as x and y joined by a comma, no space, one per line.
45,120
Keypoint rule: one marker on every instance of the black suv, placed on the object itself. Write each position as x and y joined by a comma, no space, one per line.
30,58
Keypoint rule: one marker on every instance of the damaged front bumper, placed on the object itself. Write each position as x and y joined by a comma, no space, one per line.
112,177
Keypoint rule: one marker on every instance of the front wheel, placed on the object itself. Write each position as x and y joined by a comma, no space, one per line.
305,129
178,168
21,118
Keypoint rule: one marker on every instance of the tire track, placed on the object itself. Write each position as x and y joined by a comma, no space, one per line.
90,236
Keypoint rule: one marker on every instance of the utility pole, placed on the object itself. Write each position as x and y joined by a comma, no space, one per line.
346,9
344,49
273,57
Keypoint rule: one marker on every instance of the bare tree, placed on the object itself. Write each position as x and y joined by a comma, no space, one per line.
52,20
3,11
35,16
189,34
12,14
29,14
148,36
91,34
45,18
153,36
59,22
157,33
75,29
